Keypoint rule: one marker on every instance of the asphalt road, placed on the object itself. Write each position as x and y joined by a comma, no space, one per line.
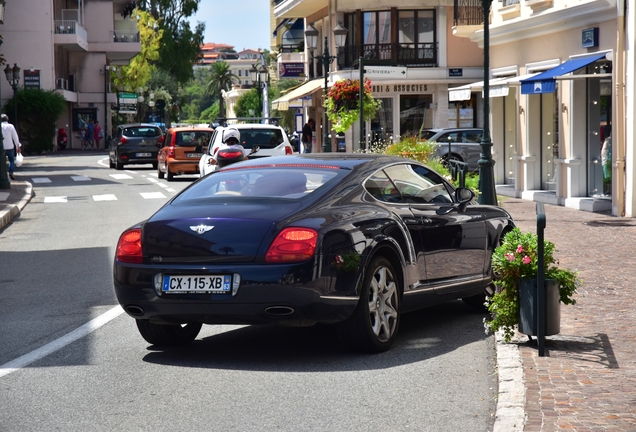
71,360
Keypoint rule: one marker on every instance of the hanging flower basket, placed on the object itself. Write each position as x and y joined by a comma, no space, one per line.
342,103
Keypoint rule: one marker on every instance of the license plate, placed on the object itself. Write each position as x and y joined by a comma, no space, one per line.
185,284
194,155
143,154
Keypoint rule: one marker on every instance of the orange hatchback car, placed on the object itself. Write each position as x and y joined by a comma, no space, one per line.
181,151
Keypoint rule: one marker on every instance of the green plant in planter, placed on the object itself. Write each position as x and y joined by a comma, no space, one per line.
517,258
342,103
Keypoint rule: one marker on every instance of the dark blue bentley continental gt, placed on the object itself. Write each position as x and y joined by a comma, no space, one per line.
352,240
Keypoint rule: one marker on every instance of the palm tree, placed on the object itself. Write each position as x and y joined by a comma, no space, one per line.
221,79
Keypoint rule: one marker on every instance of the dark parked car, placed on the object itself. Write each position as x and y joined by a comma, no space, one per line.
464,144
136,143
352,240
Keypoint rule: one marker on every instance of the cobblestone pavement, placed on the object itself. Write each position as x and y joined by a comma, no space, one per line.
587,379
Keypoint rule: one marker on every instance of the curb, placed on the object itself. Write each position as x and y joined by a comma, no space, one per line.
12,210
511,402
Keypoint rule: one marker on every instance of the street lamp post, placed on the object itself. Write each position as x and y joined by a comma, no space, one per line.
340,34
487,193
13,76
259,75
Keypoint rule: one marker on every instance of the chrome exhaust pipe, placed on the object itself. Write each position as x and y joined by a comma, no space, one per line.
279,311
134,310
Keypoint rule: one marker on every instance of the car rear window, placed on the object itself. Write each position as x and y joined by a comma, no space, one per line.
193,138
271,182
142,131
264,138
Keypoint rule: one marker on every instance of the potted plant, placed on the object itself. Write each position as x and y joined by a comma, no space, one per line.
342,103
515,264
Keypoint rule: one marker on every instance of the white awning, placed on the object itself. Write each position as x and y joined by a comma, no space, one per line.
282,103
498,87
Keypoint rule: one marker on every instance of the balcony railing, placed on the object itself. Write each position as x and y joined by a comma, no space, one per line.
468,13
69,27
423,55
125,36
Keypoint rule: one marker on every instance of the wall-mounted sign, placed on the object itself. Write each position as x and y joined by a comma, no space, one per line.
399,88
31,79
589,37
455,72
291,70
385,72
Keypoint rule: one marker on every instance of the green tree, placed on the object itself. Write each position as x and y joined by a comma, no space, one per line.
181,46
38,111
221,79
139,71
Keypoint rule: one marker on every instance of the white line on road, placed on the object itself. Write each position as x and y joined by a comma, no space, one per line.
55,199
60,343
81,178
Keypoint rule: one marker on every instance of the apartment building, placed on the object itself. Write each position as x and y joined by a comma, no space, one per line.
559,72
409,53
70,46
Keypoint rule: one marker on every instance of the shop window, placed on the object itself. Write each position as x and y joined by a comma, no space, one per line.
415,114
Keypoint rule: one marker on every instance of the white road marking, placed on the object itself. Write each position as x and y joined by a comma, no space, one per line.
152,195
154,180
81,178
105,197
41,180
170,190
60,343
57,199
120,176
162,185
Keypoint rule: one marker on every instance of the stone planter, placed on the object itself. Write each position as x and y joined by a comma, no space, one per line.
528,310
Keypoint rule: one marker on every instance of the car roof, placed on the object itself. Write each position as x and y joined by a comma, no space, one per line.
250,126
138,124
190,128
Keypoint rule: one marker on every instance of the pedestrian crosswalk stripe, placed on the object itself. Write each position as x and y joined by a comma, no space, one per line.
120,176
81,178
154,180
162,185
152,195
105,197
57,199
41,180
170,190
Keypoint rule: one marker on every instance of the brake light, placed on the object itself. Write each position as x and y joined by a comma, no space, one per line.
123,140
129,247
215,150
288,150
292,244
230,154
171,151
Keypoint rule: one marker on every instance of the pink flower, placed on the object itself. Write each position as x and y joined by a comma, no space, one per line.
519,249
526,260
510,257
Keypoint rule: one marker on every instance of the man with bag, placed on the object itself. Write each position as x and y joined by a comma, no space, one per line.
11,143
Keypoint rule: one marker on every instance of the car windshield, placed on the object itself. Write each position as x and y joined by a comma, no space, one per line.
193,138
141,131
264,138
261,182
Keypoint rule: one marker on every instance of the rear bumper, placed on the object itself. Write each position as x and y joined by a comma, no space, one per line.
185,167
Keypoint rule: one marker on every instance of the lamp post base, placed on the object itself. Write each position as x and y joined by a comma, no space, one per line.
4,179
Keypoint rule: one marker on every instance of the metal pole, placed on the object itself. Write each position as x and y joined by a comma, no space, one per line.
361,115
326,60
487,191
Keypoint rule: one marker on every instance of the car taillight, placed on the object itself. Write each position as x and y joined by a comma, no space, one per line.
123,140
129,247
171,151
231,154
288,150
292,245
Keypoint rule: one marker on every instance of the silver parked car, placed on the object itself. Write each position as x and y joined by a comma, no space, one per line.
464,144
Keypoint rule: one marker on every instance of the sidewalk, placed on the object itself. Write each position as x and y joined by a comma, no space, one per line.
587,379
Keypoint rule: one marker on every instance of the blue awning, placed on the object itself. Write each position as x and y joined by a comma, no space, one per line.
545,82
282,23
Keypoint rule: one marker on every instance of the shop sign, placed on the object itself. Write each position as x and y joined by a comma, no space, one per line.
589,37
31,79
291,70
127,103
399,88
384,72
455,72
497,91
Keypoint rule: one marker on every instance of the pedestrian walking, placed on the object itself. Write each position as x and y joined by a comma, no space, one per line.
90,134
11,143
307,136
98,134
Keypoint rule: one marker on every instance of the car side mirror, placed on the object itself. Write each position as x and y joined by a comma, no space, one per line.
463,196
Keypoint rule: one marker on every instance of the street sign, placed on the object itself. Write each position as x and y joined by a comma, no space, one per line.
127,103
385,71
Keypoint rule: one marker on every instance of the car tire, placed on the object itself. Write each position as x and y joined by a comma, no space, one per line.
160,173
155,165
169,174
119,166
111,164
375,321
168,335
452,157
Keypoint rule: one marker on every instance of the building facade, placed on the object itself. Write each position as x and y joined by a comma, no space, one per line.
70,46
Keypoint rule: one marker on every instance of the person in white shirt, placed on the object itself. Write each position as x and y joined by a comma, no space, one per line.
231,139
11,143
